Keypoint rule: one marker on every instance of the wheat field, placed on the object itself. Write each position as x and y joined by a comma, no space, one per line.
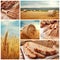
9,47
38,15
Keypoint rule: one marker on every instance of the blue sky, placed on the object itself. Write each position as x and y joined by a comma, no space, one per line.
39,3
11,26
36,23
38,0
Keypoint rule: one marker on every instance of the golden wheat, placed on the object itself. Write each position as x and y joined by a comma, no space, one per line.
38,15
9,47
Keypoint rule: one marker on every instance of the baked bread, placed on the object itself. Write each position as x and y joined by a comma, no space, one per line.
10,9
29,53
7,4
13,13
38,51
51,29
32,53
29,32
38,55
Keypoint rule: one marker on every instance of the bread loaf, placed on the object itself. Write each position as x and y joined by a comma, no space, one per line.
30,32
7,4
41,49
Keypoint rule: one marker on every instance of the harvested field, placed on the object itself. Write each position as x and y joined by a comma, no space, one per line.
38,15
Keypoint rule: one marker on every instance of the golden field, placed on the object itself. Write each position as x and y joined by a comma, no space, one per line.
9,47
38,15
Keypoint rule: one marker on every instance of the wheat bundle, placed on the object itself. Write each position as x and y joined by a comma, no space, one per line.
51,13
8,46
24,10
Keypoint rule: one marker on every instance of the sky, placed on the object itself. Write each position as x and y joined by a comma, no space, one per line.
11,26
38,0
36,23
39,3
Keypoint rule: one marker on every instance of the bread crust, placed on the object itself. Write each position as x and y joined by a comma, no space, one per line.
39,50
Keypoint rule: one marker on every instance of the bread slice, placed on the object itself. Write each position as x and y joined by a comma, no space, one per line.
29,53
46,52
42,49
31,50
38,55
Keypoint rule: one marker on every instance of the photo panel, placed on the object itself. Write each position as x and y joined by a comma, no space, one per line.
30,29
38,50
49,29
40,9
9,39
10,9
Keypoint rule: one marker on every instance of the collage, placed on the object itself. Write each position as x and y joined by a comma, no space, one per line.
29,30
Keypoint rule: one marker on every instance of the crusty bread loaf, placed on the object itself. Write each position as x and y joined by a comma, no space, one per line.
7,4
41,49
46,51
10,8
13,13
30,32
51,29
31,50
23,36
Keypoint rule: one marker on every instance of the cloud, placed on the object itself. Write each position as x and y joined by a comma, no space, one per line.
39,4
11,26
39,0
